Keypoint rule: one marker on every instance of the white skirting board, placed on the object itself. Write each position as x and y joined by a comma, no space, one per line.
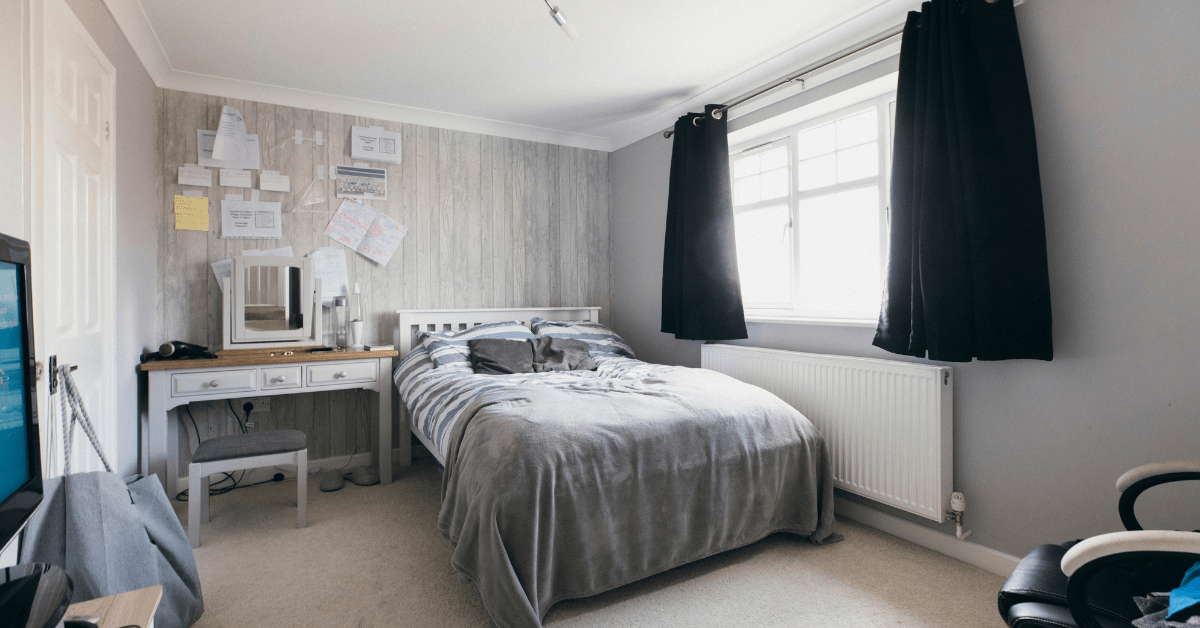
985,558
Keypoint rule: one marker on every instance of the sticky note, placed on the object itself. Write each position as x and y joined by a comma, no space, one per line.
192,222
191,206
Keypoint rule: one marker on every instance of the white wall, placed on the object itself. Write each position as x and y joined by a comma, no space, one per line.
136,196
1038,446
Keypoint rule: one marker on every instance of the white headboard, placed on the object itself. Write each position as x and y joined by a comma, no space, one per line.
409,322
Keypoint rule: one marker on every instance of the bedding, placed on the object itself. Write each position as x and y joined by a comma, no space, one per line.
449,348
566,484
600,339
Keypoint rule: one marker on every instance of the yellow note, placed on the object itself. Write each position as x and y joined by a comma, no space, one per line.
192,222
191,205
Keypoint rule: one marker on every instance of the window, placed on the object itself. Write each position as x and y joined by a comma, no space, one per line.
810,213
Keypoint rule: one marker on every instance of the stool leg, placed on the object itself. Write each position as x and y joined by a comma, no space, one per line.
194,504
203,498
302,486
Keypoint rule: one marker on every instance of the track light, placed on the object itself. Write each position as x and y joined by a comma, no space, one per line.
562,21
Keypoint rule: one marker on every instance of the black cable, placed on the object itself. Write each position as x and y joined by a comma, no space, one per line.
236,415
188,409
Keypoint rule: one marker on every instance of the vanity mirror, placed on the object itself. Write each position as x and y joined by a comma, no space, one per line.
271,302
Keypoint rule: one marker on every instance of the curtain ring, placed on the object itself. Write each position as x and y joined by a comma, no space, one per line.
717,113
697,120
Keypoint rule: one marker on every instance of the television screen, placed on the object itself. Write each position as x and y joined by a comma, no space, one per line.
14,451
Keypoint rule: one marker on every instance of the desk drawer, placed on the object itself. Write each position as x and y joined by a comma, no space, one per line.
210,382
280,377
342,373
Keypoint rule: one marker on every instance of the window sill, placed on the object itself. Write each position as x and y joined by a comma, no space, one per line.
796,320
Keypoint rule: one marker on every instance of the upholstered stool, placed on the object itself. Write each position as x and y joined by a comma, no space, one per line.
238,452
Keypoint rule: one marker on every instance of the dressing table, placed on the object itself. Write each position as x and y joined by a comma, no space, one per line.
260,373
271,321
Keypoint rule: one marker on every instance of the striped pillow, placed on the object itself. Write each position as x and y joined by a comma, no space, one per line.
600,339
449,348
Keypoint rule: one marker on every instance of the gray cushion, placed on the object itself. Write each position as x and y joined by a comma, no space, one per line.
499,356
561,354
246,445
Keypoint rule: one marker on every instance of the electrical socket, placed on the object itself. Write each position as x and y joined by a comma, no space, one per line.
261,404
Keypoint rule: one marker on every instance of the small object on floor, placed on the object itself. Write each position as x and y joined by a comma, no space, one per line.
332,480
364,476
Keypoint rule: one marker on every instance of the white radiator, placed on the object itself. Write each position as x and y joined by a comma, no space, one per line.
888,424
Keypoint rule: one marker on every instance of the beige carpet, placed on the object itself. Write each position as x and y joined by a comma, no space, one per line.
373,557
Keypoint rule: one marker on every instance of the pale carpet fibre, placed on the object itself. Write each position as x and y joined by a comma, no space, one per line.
373,557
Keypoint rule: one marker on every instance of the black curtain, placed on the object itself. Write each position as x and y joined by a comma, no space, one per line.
701,292
967,273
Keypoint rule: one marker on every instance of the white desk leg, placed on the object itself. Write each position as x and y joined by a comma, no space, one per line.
385,421
156,452
172,452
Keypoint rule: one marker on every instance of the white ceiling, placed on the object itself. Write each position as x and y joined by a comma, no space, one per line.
495,66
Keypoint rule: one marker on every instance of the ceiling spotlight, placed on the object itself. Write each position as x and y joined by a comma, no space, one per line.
562,21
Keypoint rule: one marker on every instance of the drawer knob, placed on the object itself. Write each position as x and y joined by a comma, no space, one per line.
341,374
280,379
214,383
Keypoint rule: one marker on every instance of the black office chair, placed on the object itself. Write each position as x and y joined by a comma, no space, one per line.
1091,583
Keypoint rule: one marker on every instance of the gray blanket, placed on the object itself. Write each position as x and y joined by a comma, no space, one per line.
553,493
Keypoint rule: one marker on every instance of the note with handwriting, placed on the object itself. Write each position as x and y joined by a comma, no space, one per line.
366,230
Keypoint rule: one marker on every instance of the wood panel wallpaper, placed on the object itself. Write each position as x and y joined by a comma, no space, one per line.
492,222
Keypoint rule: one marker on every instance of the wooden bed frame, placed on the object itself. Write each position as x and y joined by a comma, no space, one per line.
409,322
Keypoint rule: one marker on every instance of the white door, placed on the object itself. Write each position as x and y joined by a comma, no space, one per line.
73,166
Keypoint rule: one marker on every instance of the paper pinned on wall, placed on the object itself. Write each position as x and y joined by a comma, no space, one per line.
361,183
329,265
204,149
374,144
191,174
230,142
224,268
271,181
366,230
234,178
251,220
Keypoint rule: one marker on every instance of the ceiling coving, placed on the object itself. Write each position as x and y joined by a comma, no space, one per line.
498,67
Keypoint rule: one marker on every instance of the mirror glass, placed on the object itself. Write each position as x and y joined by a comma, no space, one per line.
272,297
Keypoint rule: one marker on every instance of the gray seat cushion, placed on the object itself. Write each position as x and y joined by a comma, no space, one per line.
252,444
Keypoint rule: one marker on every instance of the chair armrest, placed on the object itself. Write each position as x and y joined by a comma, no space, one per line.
1090,556
1136,481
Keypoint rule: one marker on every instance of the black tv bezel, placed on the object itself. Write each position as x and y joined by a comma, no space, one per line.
16,510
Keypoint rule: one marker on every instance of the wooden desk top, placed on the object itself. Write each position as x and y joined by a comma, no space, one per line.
254,357
132,608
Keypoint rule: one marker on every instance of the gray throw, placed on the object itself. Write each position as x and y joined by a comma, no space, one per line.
552,493
561,354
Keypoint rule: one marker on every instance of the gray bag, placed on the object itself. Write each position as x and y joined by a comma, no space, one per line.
113,536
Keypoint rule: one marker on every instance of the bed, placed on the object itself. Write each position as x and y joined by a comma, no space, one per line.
564,485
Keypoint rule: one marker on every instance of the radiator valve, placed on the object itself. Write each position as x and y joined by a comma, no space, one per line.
958,508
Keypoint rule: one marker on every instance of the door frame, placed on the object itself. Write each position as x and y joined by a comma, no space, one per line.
37,11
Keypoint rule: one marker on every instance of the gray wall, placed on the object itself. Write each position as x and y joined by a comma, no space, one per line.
13,220
135,186
1038,446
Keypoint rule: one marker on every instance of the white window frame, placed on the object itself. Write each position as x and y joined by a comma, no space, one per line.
794,311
